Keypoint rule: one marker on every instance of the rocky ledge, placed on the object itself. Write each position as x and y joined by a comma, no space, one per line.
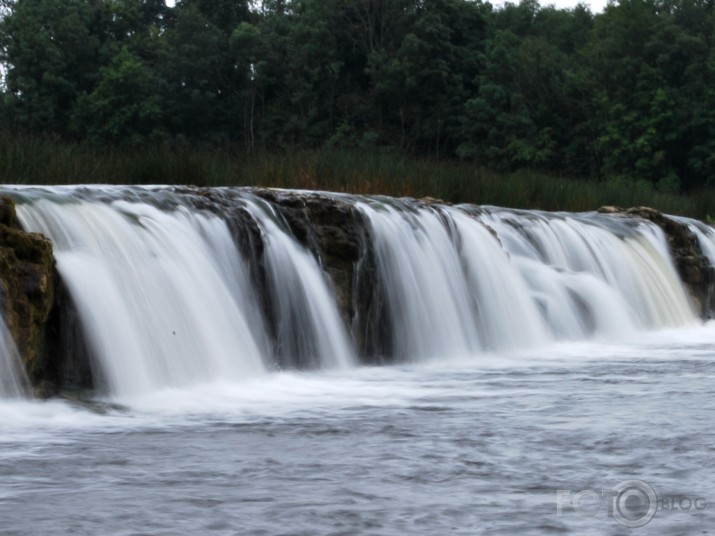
44,324
27,283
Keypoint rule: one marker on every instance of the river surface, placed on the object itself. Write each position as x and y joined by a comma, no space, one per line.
500,444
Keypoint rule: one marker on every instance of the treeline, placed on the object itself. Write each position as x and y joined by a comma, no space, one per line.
626,96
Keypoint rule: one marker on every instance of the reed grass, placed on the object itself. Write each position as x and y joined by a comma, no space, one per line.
37,160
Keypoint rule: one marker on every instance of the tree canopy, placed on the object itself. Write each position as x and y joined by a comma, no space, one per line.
627,95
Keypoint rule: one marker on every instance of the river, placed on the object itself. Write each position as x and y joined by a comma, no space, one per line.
468,370
491,445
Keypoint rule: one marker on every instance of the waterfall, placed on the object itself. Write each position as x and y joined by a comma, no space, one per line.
593,274
309,329
452,287
153,295
449,287
12,378
165,296
177,287
705,235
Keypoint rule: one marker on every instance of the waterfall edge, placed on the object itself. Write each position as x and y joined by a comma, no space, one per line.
328,225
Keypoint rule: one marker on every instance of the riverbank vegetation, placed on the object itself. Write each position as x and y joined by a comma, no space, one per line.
31,160
521,105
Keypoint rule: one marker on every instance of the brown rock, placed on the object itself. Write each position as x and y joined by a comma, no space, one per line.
27,277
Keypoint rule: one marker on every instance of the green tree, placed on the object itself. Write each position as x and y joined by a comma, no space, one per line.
649,61
225,15
296,57
203,82
124,107
426,81
51,56
526,109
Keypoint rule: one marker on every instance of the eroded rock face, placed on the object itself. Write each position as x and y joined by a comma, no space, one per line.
27,284
693,267
334,231
331,229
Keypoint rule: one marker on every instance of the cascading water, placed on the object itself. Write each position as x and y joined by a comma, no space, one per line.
165,296
12,378
453,288
309,330
592,274
449,287
169,294
152,293
705,235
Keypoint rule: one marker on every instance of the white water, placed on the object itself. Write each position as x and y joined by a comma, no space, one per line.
430,308
502,410
462,446
705,235
166,300
453,288
592,275
450,288
12,378
309,327
164,296
153,296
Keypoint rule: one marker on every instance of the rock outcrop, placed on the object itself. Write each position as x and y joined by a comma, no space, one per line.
334,231
27,284
331,229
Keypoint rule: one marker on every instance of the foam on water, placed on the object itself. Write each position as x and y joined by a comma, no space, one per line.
290,394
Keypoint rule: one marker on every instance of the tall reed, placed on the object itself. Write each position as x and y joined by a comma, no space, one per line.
37,160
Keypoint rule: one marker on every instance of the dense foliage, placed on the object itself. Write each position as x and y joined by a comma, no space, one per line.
626,96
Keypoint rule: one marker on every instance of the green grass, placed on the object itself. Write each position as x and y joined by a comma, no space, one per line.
33,160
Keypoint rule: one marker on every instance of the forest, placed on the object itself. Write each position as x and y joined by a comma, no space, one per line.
623,98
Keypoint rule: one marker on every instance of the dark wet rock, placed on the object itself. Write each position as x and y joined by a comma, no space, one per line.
71,365
333,230
433,201
27,284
